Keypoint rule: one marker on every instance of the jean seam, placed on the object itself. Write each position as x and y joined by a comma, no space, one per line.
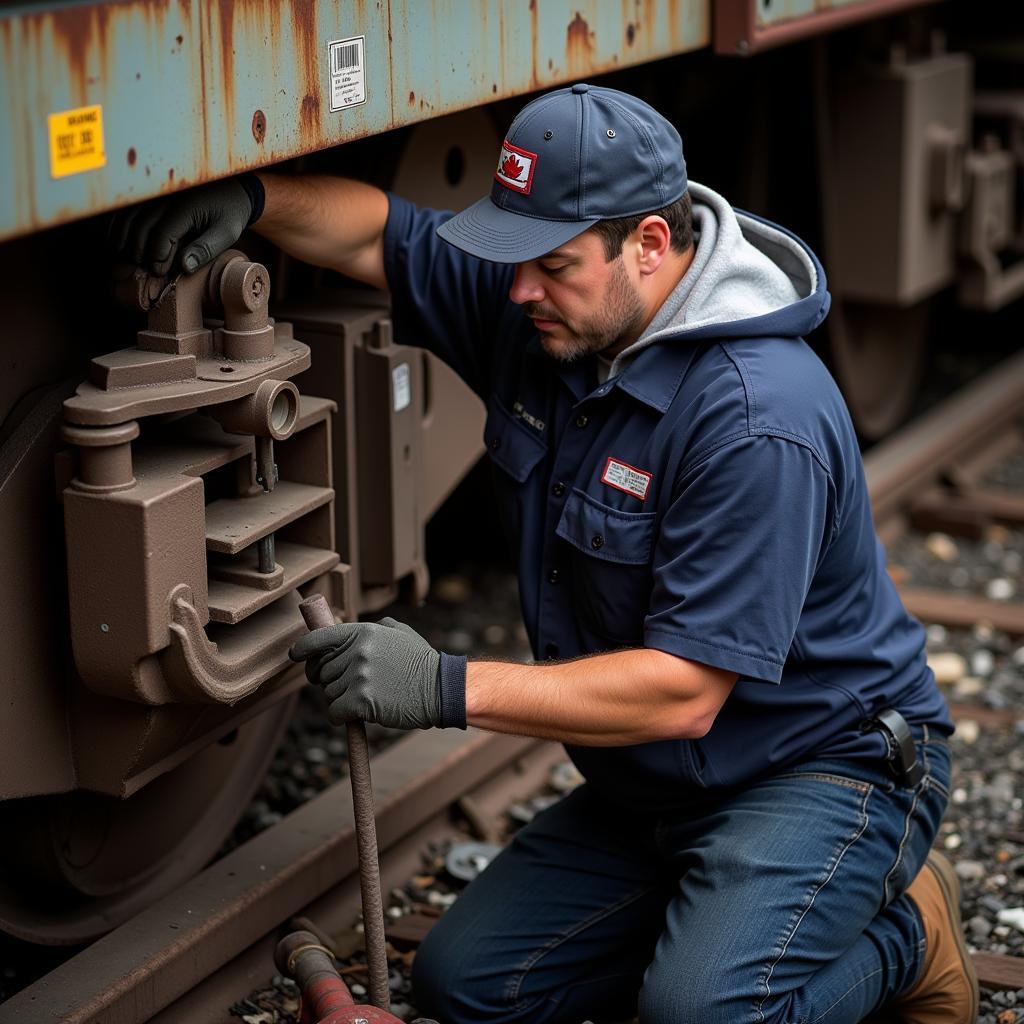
852,988
919,949
903,842
516,981
838,780
759,1008
934,783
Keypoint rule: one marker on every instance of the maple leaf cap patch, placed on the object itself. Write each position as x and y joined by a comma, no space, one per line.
515,168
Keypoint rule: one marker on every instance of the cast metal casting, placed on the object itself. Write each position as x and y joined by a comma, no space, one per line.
187,536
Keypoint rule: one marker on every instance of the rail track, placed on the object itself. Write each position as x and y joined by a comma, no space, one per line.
192,955
931,476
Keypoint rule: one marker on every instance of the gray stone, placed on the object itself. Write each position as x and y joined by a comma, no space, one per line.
970,870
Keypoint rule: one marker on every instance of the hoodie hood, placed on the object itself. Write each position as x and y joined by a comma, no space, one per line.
749,278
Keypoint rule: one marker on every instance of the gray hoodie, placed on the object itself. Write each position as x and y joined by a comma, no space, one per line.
743,267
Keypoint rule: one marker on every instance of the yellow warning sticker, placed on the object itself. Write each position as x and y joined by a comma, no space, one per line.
76,141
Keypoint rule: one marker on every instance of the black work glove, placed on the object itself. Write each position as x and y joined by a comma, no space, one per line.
187,230
384,672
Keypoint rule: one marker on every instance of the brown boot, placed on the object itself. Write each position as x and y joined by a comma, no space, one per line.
947,990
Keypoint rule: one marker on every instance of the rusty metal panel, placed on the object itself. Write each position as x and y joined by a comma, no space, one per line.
188,91
743,27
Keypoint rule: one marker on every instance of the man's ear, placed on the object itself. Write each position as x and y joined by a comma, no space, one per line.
653,237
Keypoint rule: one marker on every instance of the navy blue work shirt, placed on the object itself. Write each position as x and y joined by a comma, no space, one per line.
709,502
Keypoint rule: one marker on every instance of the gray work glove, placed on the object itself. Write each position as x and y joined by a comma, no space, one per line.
186,230
384,672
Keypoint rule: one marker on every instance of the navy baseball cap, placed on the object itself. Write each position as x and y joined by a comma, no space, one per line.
571,158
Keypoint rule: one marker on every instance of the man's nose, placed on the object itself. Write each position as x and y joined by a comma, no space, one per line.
526,286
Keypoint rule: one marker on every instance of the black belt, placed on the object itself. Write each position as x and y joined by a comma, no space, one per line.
902,754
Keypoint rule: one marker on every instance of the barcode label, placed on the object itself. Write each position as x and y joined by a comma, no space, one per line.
345,57
348,73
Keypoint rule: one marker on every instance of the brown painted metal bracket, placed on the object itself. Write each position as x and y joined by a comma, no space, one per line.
202,671
203,495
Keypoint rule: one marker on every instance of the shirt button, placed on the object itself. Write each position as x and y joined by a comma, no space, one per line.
495,443
551,650
597,541
553,576
558,489
581,420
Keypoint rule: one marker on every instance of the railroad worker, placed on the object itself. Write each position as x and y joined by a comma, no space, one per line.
719,645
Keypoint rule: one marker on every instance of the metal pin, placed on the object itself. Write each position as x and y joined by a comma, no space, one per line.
266,470
267,555
266,477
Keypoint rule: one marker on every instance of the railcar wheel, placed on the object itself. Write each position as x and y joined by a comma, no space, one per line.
878,354
77,865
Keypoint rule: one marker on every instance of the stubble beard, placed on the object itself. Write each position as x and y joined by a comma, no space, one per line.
620,314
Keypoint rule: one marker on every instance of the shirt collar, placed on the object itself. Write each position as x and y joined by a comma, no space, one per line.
657,372
653,377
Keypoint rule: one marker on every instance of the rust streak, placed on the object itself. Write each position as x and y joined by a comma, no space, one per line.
24,170
626,18
83,33
391,61
303,13
579,46
203,121
676,17
309,118
225,14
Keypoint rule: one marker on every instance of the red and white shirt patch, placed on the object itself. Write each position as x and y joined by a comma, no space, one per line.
515,168
626,478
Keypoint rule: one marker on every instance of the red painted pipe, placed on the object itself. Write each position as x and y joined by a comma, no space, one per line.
325,997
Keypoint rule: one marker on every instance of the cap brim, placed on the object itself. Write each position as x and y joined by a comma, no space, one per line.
491,233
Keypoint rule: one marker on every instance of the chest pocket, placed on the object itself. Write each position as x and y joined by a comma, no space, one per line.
611,566
511,445
516,452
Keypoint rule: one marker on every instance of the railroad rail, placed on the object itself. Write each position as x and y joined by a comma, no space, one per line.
189,957
226,918
931,476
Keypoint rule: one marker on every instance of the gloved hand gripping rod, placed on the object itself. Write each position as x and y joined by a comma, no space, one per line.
316,613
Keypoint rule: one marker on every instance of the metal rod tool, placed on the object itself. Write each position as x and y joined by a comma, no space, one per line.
316,613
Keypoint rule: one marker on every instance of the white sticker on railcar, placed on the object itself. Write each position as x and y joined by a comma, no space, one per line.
401,386
348,72
626,478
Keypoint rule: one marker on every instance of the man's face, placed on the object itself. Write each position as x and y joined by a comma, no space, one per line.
579,301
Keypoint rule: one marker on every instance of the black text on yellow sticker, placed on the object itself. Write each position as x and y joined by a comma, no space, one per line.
76,141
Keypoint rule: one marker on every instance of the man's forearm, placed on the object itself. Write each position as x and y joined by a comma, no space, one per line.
616,699
330,222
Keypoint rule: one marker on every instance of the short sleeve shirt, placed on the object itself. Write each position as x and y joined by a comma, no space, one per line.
709,502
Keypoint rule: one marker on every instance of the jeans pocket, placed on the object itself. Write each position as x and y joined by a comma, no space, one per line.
921,825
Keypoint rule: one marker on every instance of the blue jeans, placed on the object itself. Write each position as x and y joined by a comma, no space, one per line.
778,903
